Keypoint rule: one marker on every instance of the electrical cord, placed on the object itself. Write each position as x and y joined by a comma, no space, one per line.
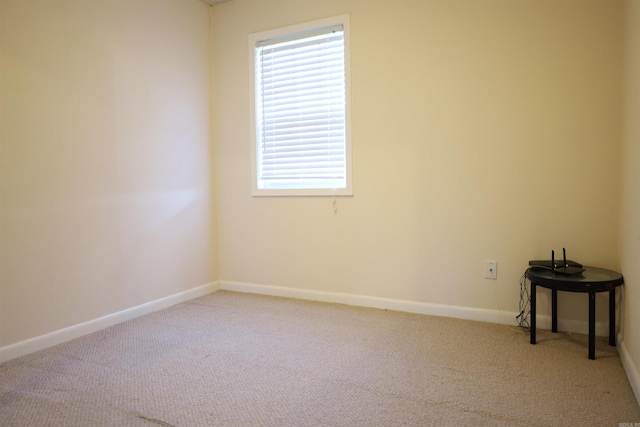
504,323
525,304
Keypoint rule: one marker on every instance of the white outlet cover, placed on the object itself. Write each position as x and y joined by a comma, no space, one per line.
491,270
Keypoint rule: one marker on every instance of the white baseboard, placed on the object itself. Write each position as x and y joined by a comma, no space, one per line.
479,314
58,337
483,315
629,367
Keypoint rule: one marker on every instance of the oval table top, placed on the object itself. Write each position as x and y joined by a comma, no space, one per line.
592,279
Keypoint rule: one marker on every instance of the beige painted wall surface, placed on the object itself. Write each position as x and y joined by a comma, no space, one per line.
481,130
630,218
106,184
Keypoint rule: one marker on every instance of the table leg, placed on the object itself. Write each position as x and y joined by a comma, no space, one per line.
612,317
592,325
554,310
532,332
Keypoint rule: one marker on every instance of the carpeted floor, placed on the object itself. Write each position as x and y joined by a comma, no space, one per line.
231,359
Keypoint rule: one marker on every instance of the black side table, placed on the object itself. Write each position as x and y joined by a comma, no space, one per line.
591,281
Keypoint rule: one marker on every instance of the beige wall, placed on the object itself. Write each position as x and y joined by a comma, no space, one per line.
630,212
481,130
107,195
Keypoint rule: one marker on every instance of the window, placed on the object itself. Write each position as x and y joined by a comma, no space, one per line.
300,113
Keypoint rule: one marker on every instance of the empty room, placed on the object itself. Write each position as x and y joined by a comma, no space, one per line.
192,233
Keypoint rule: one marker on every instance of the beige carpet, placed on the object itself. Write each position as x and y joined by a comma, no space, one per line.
231,359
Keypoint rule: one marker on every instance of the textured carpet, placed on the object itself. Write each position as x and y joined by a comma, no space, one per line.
231,359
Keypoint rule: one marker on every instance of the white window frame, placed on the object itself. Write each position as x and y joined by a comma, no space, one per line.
294,30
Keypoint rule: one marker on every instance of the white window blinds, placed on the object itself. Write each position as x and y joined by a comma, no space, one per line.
300,111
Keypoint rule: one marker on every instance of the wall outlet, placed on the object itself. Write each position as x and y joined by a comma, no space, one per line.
491,270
